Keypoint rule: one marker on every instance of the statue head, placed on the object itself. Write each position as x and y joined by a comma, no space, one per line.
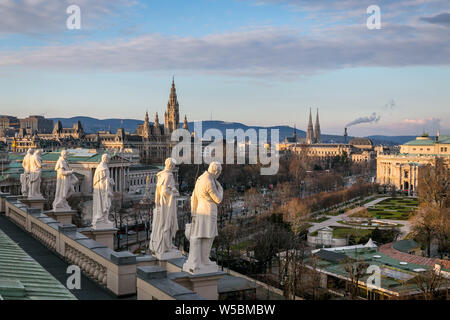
170,163
30,151
215,168
105,158
64,154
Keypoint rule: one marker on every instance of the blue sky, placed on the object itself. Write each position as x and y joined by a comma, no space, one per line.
260,62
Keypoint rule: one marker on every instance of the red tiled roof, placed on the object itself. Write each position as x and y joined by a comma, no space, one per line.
388,250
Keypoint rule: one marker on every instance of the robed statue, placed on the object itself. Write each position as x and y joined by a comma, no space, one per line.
65,182
25,176
207,194
34,191
102,195
165,221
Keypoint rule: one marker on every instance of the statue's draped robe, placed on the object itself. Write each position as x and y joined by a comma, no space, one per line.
65,181
25,177
205,197
102,194
165,222
35,176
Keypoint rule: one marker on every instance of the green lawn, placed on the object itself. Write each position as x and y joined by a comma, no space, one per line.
395,208
344,232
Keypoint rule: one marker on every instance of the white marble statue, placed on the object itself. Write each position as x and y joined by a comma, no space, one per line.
34,191
65,181
165,222
25,176
102,195
207,194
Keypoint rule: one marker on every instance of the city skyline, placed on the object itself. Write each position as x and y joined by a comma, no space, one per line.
266,61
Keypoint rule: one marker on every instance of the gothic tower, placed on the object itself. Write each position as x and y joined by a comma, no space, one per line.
172,116
156,127
317,138
310,130
146,127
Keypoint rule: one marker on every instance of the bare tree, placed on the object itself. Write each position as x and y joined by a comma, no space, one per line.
356,270
430,283
431,221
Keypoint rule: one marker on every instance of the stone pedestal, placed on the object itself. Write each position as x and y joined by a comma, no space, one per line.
34,203
103,236
204,284
65,217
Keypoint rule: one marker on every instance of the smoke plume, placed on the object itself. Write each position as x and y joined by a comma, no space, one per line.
373,118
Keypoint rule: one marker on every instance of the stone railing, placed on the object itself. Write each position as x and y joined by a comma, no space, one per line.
116,271
121,273
153,284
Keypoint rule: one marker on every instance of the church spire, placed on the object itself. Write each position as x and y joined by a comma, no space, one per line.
310,130
146,127
156,127
172,117
317,137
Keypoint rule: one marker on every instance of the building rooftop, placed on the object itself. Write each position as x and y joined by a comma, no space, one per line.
428,141
405,245
398,274
22,278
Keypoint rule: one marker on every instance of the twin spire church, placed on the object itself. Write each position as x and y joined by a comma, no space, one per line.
313,133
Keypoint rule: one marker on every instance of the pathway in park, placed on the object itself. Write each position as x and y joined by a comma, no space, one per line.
333,221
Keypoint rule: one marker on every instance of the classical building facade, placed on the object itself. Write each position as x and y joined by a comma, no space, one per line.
403,170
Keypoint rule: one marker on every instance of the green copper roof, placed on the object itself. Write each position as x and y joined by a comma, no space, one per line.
22,278
406,245
54,156
420,143
443,139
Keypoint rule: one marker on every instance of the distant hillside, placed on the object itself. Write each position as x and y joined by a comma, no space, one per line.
92,125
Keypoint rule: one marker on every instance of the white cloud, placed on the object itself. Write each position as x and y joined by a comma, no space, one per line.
256,52
49,16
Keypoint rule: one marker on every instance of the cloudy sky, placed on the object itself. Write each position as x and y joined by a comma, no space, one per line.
260,62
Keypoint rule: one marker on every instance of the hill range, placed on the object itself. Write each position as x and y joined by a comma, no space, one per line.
92,125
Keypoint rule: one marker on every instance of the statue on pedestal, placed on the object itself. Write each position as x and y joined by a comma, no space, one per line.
165,220
34,191
207,194
65,181
25,176
102,195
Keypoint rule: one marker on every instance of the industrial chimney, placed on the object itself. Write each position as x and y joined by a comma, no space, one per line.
345,135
